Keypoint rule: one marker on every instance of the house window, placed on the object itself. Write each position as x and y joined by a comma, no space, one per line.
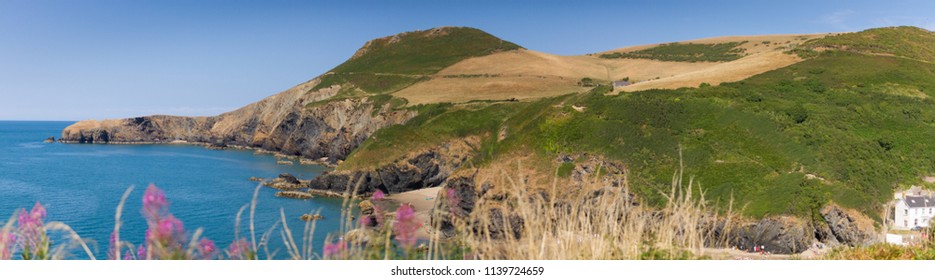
915,222
906,223
907,211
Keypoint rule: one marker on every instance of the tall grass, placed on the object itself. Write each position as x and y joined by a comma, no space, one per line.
597,222
534,222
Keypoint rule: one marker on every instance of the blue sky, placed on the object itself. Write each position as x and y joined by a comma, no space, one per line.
72,60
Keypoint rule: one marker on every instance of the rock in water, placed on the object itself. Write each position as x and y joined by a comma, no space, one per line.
294,194
311,217
288,178
51,139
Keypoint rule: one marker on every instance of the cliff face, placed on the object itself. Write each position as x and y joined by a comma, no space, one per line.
418,170
281,122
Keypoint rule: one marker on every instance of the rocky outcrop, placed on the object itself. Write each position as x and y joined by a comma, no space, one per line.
285,182
790,235
778,235
454,203
417,170
848,227
284,122
294,194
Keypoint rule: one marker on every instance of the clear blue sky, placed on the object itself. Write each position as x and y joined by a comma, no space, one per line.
72,60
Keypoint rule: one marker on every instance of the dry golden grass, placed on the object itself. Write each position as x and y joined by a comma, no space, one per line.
441,89
524,74
722,72
584,226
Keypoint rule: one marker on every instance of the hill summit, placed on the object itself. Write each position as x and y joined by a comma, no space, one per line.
394,62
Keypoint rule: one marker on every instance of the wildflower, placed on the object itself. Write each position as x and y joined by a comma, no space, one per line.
335,249
406,225
6,245
169,230
241,250
206,248
378,195
35,243
140,253
154,203
112,252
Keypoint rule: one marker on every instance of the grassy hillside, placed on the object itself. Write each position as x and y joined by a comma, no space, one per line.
858,122
689,52
903,41
842,126
392,63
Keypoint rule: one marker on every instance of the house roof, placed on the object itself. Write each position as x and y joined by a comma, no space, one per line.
920,201
621,83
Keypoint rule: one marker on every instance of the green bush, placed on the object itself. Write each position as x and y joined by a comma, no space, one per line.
689,52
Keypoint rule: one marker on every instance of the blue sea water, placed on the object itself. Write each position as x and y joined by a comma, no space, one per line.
81,185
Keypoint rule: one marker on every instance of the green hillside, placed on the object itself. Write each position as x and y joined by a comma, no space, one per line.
856,124
903,41
391,63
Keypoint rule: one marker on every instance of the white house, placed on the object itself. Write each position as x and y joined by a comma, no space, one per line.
914,211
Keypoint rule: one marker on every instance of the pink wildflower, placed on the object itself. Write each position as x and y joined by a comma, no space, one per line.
206,248
35,244
406,225
140,253
32,220
169,230
240,250
6,245
154,202
112,252
335,249
378,195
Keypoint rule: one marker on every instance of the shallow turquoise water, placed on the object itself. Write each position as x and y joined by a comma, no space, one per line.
81,185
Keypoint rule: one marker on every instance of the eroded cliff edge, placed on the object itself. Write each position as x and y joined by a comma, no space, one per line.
284,122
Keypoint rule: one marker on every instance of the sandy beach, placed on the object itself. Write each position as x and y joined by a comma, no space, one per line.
422,201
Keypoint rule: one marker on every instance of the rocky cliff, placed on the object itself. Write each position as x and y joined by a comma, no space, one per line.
418,170
282,122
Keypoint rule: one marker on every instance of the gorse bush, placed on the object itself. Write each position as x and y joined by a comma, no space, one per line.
689,52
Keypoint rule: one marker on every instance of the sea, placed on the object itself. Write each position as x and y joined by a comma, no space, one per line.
81,185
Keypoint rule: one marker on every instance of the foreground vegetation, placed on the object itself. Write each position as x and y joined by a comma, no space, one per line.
609,226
